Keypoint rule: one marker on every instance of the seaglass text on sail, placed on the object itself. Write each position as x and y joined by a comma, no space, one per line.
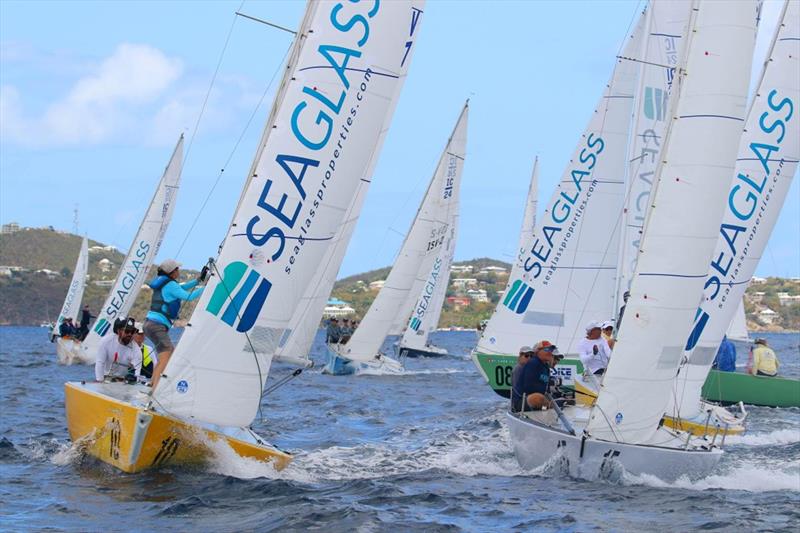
312,124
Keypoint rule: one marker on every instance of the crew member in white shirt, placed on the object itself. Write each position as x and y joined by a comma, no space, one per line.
117,353
594,350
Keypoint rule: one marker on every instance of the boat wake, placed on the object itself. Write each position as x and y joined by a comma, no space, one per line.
772,438
747,477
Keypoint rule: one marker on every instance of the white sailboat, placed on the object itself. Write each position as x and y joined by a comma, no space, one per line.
624,429
326,125
141,254
67,347
418,254
765,166
566,275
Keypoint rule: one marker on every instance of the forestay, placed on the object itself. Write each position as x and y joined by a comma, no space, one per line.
666,24
421,247
318,145
72,302
765,166
295,346
566,276
141,253
681,227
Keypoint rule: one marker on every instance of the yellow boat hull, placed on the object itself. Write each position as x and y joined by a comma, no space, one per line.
132,438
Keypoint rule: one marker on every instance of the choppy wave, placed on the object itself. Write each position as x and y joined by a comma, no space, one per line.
746,477
771,438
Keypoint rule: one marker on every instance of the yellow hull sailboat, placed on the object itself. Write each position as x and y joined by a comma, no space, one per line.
111,422
300,200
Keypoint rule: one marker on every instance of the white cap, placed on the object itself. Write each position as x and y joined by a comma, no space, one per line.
168,265
139,327
607,324
592,325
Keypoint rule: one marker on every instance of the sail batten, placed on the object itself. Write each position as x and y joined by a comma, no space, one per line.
681,225
320,144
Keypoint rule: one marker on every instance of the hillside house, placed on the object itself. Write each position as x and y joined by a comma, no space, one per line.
337,308
465,283
459,302
767,316
377,285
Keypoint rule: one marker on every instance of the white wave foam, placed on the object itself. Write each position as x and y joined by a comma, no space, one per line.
751,478
777,437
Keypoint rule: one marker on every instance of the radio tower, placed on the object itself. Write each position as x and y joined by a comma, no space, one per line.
75,220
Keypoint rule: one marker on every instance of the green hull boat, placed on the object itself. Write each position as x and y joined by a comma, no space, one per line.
722,387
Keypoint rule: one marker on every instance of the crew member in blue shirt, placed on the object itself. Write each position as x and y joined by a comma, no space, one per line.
535,378
165,307
725,361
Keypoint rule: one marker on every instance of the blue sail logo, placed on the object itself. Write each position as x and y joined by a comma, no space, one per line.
655,103
242,291
415,323
518,297
102,327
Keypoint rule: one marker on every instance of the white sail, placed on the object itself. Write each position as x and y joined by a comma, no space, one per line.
72,302
295,346
421,247
666,23
737,330
141,254
567,274
681,228
765,166
427,306
528,229
324,129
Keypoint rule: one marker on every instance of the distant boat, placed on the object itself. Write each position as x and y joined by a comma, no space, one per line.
68,348
419,265
324,131
140,257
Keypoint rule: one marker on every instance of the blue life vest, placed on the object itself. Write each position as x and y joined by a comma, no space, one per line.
169,310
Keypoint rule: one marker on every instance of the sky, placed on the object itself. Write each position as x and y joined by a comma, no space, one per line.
93,97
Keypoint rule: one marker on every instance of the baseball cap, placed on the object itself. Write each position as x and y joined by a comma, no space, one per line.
761,341
607,324
139,327
526,349
168,265
592,325
547,346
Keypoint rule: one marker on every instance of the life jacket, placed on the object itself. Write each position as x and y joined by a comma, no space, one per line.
169,310
146,355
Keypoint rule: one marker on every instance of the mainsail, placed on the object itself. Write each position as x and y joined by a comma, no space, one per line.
295,346
765,166
420,250
72,302
737,330
324,129
141,253
666,23
567,273
681,227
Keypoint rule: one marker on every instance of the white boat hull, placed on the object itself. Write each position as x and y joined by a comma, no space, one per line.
539,445
69,352
339,365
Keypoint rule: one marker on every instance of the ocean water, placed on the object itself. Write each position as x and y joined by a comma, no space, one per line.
427,451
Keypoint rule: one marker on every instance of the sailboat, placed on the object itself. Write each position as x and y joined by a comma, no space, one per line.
141,254
324,130
765,167
414,265
737,330
67,347
566,273
624,430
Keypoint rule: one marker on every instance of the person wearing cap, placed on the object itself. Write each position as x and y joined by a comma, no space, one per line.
165,306
594,351
725,360
118,355
607,329
334,332
534,378
764,361
67,329
149,358
525,354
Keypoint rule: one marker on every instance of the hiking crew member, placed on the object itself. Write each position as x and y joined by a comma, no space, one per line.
525,354
334,332
165,307
608,332
765,362
67,328
594,350
534,379
725,361
86,317
118,356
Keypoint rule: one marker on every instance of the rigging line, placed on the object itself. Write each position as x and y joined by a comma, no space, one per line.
211,86
262,21
233,151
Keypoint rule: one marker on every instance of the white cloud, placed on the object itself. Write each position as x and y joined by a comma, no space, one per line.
111,101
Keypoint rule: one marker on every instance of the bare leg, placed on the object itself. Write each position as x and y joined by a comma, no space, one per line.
163,359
